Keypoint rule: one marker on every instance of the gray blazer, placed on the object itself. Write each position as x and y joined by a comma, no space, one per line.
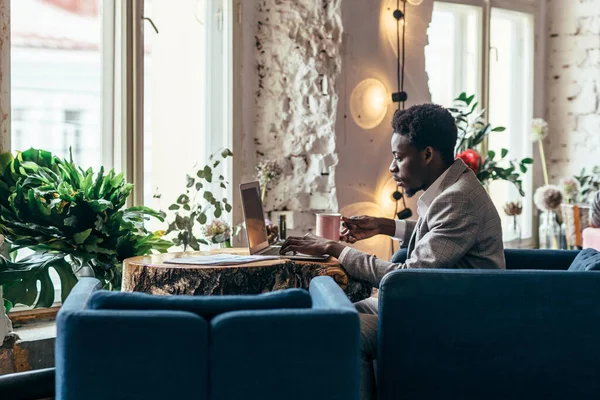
461,229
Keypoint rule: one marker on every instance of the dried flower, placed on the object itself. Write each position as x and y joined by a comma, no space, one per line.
218,231
267,171
548,198
539,129
571,188
513,208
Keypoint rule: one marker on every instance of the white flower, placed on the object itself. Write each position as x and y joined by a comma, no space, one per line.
217,231
548,198
570,187
539,129
267,171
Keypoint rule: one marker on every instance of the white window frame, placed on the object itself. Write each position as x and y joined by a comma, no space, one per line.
538,9
122,95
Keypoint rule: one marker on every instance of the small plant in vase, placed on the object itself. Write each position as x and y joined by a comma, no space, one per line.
217,232
513,232
548,199
193,207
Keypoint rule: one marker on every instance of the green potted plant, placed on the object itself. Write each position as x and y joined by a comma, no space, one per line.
74,220
192,209
472,131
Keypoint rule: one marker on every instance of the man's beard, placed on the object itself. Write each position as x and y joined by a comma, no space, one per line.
410,192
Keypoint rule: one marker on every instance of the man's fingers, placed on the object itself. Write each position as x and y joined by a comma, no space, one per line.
292,248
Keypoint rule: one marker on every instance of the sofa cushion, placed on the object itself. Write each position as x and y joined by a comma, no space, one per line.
586,260
204,306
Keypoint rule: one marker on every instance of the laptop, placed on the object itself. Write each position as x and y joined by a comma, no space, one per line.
256,230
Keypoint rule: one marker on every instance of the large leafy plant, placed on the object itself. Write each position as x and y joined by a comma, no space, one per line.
72,218
197,202
472,131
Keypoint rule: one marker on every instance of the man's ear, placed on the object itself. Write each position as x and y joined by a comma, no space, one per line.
428,153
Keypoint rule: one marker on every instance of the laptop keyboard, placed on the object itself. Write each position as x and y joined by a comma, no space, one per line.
271,251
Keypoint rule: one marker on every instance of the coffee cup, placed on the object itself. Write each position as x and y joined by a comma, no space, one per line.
328,225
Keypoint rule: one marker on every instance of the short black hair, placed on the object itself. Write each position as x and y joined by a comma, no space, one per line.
428,125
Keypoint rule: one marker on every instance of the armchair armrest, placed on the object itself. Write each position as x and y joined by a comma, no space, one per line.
538,259
29,385
326,294
79,296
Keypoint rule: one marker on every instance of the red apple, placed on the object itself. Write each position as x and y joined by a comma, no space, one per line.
471,158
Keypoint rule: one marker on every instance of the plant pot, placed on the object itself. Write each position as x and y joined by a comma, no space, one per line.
5,323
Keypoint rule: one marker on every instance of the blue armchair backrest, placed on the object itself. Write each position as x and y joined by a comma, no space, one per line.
131,345
524,258
449,334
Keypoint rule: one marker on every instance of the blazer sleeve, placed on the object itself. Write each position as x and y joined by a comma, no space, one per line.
453,230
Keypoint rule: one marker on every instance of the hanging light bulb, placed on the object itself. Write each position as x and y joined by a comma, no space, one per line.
414,2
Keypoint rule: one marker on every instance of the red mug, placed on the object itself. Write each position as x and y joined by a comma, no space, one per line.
328,225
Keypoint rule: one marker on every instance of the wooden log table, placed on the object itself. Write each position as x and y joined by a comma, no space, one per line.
150,274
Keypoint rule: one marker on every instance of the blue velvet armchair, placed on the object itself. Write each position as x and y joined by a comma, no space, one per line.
532,332
288,344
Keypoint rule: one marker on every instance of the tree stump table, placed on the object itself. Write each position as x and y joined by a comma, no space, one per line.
149,274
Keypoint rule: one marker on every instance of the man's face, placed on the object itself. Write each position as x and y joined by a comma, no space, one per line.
409,165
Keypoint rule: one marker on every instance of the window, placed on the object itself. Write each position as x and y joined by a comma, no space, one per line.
185,92
455,63
68,79
453,55
56,76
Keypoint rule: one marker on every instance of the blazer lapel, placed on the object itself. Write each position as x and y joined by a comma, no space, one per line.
456,170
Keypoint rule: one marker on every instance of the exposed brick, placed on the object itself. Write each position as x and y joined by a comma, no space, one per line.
299,43
573,100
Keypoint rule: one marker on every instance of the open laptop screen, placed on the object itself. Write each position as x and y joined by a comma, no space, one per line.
253,215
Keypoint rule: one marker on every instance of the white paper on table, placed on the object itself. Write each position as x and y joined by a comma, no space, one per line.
219,259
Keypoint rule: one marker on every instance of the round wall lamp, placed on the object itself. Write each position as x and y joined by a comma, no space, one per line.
369,103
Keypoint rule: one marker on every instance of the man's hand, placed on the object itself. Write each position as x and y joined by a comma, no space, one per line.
364,227
312,245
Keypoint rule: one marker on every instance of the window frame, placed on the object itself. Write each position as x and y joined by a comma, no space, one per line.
122,129
538,9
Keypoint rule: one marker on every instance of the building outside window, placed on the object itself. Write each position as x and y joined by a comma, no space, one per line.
65,86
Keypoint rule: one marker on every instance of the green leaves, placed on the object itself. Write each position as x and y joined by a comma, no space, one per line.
50,204
473,131
226,153
19,279
193,207
82,236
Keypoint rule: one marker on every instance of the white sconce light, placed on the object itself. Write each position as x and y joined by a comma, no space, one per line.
368,103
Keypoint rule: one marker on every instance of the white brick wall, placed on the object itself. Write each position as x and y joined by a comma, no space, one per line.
297,44
573,86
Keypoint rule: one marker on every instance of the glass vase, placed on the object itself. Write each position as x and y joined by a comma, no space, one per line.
512,231
549,231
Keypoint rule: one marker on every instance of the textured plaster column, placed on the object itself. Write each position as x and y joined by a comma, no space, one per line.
298,61
5,325
573,82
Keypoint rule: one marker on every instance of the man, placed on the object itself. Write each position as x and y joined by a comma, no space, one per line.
458,225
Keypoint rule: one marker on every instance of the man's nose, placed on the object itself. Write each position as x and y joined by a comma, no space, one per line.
393,166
